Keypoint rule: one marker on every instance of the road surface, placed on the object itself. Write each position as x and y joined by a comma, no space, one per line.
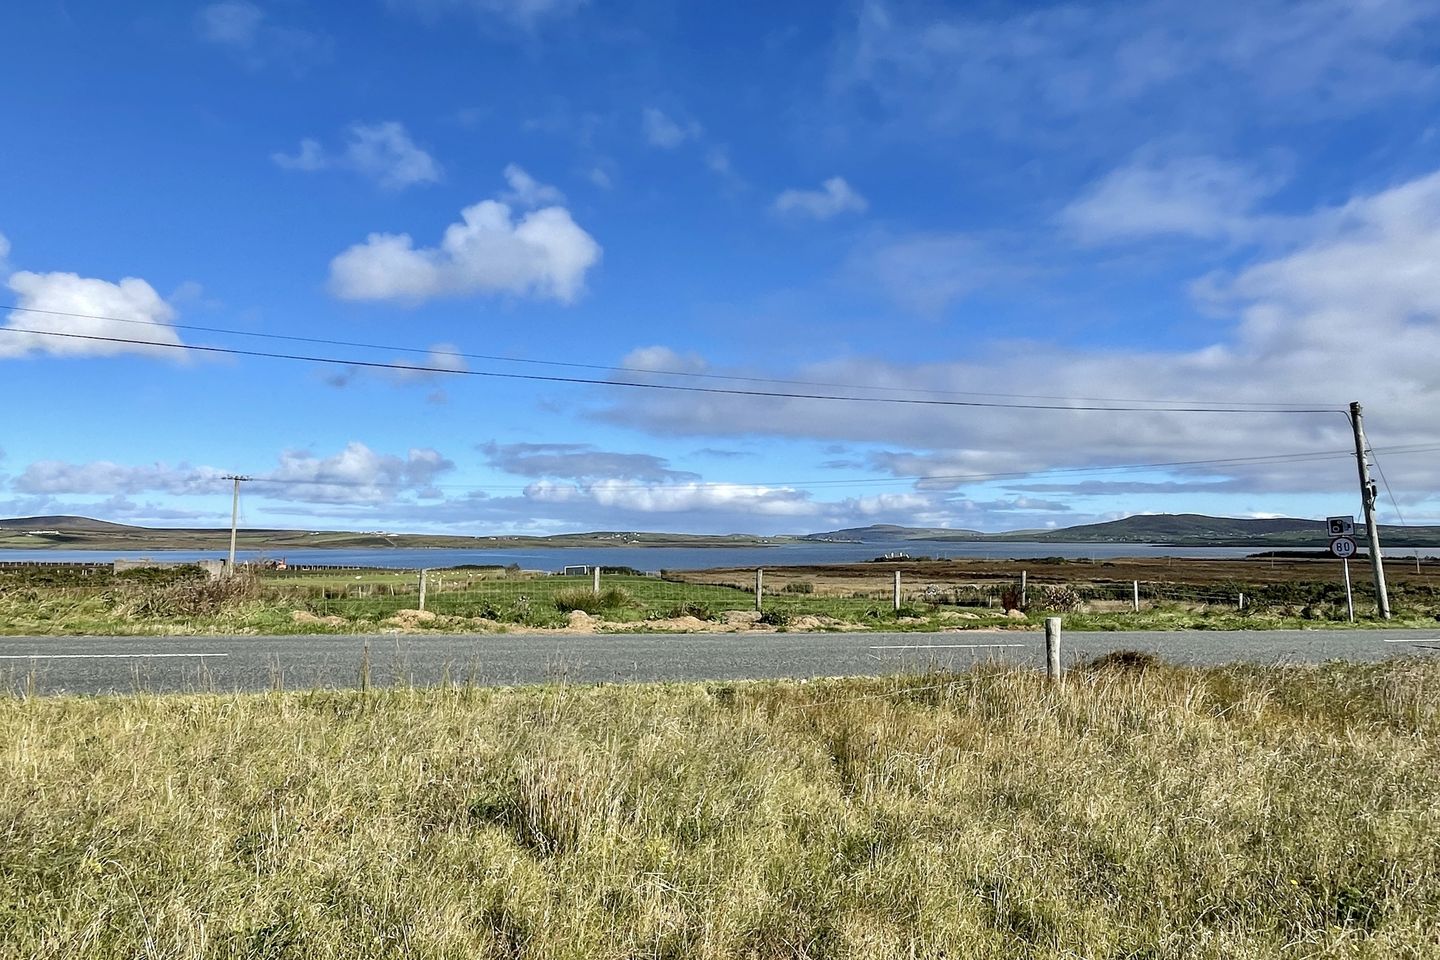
128,664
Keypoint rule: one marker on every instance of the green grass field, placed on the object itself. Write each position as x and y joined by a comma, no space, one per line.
1162,813
57,601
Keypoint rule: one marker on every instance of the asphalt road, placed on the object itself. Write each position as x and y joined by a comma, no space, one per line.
129,664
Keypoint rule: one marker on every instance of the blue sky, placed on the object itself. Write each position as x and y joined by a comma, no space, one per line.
1222,204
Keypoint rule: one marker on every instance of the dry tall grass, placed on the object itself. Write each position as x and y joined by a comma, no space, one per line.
1139,811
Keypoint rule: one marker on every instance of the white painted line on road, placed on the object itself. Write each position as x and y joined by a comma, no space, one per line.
947,646
1421,640
104,656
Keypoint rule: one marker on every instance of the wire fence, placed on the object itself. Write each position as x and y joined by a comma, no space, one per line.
515,596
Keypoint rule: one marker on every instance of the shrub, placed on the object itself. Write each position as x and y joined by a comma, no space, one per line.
689,608
1059,597
799,586
590,601
1011,598
579,599
775,618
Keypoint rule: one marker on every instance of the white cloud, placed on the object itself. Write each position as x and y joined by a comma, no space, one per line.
310,157
245,29
1037,71
4,254
745,499
1350,312
578,461
662,359
525,191
234,23
383,152
927,272
356,474
522,13
78,304
105,476
667,134
834,198
544,254
1199,196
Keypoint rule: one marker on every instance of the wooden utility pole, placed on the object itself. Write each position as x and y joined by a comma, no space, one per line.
234,518
1367,501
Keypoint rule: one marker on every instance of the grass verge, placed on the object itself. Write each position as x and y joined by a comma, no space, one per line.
1140,810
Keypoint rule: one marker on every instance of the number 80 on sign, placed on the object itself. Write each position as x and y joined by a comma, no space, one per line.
1343,547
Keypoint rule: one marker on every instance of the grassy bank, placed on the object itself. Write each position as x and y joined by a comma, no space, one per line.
1226,813
935,596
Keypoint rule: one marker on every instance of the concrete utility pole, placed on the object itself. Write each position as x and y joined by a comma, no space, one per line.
234,519
1367,501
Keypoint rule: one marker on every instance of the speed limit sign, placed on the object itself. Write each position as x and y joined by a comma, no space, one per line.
1343,547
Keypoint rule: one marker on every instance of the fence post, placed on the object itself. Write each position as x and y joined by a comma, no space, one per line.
897,591
1024,588
759,586
1052,648
596,587
1242,601
422,588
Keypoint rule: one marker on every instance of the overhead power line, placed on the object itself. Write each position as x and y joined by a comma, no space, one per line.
649,371
673,387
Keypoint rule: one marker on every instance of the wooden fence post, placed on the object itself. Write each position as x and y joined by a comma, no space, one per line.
1052,648
759,587
422,588
897,591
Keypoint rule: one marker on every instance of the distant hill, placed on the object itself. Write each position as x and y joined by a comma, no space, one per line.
1185,529
1192,529
889,532
67,525
1179,529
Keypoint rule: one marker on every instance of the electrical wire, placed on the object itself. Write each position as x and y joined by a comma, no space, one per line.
723,391
1259,405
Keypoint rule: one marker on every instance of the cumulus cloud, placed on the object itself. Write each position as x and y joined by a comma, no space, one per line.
525,191
578,461
104,476
72,307
356,474
834,197
666,133
543,254
382,152
1201,196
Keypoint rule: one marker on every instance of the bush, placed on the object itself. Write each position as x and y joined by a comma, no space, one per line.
798,586
1059,597
1011,598
689,608
590,601
580,599
775,618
